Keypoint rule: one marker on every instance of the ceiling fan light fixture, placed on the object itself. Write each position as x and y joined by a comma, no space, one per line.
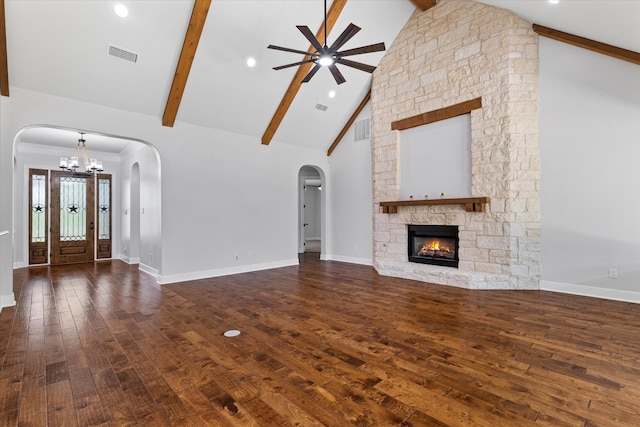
329,56
326,60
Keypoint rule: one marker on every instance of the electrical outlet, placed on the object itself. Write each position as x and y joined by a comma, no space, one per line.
613,273
249,255
236,255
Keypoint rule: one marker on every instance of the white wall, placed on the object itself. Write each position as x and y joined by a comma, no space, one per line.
590,176
6,206
229,204
351,200
141,212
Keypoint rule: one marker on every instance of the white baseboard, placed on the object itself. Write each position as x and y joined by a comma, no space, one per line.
183,277
149,270
7,301
350,260
590,291
128,260
20,264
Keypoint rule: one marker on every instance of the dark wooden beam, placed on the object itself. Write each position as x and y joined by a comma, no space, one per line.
296,83
437,115
4,63
189,47
352,119
595,46
424,4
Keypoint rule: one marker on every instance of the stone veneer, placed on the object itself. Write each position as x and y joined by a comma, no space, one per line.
454,52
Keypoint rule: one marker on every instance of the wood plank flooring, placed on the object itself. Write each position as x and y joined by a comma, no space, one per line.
322,344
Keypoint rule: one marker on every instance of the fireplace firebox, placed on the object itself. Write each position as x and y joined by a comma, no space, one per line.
433,244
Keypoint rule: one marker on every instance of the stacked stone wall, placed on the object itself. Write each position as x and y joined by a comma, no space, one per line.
457,51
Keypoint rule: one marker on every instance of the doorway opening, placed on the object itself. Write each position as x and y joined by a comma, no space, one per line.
311,210
94,216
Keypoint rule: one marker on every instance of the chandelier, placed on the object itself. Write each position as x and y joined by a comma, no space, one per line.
71,164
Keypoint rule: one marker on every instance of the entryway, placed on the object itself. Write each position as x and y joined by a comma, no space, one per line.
311,209
79,208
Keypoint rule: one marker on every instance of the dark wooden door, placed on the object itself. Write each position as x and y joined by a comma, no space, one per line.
72,218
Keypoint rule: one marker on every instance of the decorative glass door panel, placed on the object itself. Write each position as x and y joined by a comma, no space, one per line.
104,216
38,216
72,218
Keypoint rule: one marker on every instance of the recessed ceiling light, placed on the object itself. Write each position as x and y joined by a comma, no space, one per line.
251,62
554,1
332,94
121,10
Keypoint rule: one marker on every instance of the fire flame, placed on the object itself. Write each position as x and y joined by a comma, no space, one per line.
434,245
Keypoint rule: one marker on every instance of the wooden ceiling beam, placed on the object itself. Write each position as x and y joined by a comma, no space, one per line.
437,115
424,4
189,47
4,63
592,45
296,82
352,119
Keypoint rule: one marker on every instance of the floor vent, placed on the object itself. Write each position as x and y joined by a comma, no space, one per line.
123,54
362,130
321,107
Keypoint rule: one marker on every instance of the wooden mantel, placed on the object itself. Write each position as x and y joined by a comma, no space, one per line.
472,204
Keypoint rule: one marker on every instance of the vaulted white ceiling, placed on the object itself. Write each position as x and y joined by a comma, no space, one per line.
60,47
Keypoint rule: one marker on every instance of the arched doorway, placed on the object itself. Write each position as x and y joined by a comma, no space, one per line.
42,146
311,210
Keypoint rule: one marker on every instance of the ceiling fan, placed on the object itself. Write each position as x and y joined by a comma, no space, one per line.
329,56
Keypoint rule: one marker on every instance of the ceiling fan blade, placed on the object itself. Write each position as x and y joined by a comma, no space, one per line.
337,74
346,35
311,73
309,35
286,49
358,65
378,47
281,67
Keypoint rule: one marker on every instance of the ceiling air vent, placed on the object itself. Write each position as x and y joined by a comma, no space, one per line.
362,130
321,107
123,54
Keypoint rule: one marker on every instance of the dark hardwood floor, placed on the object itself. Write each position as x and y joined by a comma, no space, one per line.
324,343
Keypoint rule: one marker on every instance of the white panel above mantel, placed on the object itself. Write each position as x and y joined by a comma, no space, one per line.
436,158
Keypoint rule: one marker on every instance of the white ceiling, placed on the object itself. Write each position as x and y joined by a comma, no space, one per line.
60,47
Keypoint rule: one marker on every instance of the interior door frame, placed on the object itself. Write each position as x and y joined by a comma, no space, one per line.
321,206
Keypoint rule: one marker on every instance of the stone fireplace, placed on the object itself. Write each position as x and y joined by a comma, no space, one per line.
433,244
454,52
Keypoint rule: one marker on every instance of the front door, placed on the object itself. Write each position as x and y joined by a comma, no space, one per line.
72,218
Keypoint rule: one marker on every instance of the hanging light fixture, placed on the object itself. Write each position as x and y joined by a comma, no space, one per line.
71,164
